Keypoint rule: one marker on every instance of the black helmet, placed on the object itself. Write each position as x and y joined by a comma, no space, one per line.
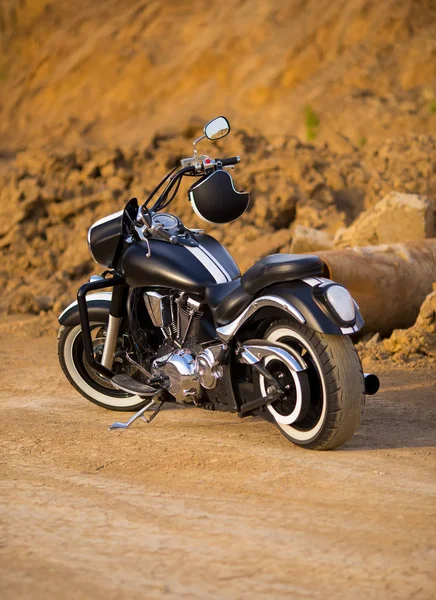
215,200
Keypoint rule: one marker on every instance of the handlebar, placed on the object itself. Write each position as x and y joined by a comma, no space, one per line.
146,216
163,234
190,166
226,162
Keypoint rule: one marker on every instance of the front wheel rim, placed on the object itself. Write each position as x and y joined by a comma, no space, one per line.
110,398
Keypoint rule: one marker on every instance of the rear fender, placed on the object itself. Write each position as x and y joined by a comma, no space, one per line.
300,294
294,299
98,309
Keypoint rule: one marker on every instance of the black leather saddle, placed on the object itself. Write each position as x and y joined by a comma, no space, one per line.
228,300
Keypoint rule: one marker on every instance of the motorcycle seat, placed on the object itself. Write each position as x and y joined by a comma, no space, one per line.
228,300
278,268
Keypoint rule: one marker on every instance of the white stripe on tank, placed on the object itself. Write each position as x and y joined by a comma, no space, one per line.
217,263
209,264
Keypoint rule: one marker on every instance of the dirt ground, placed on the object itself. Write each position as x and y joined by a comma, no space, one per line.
203,504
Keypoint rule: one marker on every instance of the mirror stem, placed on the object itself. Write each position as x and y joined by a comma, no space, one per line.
196,141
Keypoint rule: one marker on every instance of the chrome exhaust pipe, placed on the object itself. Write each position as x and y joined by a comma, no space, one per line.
372,384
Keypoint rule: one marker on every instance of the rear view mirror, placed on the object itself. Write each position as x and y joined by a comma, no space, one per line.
217,128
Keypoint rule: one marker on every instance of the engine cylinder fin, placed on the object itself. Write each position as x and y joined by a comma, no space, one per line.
188,324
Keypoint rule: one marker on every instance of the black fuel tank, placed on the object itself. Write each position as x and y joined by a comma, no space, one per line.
176,266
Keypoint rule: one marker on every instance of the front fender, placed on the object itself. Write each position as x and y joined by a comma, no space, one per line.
98,309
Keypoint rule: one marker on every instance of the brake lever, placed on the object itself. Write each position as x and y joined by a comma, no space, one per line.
144,238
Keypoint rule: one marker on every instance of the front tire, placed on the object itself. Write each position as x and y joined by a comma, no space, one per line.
86,381
336,382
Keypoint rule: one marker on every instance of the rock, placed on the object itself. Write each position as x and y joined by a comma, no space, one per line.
396,218
319,214
23,301
44,303
421,337
108,170
307,239
374,340
92,170
57,306
426,320
115,183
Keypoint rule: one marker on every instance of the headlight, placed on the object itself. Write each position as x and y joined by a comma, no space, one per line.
340,300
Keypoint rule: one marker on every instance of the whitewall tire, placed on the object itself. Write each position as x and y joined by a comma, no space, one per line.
71,358
336,386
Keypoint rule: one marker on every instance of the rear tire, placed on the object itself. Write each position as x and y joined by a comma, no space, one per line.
86,381
336,384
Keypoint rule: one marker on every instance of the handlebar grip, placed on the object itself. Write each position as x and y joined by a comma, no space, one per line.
232,160
164,235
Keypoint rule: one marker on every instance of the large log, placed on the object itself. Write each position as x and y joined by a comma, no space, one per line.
389,282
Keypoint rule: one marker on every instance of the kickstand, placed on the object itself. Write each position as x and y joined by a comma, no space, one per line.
119,425
154,413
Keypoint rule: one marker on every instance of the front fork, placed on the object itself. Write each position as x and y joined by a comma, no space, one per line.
110,344
116,312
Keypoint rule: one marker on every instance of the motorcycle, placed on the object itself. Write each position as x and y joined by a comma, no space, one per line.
172,320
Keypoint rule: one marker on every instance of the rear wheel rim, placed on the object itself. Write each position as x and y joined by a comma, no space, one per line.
310,427
286,409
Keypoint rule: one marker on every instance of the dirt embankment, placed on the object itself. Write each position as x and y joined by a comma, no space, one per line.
350,73
49,199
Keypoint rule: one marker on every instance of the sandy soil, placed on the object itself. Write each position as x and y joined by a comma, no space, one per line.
203,505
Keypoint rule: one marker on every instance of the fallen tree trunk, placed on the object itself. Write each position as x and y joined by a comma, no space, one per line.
389,282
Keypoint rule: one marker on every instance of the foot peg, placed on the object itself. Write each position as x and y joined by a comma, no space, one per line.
119,425
130,385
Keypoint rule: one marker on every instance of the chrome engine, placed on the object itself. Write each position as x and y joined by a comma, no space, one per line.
178,317
187,366
207,368
179,367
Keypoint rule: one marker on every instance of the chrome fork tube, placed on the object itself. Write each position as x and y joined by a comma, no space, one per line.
110,344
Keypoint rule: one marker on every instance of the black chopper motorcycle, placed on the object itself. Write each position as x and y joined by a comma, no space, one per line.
181,324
